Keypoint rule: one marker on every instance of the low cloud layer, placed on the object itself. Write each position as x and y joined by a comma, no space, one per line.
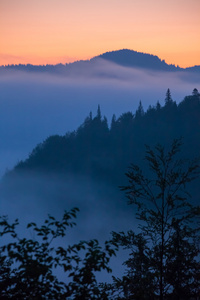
35,105
30,197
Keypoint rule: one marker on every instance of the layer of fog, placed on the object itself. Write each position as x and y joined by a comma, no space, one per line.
102,208
34,106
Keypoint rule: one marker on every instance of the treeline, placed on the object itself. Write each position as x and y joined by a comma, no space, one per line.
104,152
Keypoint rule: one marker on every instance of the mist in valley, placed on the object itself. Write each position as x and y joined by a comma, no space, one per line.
35,105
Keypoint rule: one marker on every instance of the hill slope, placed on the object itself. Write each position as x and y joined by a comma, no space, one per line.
130,58
96,151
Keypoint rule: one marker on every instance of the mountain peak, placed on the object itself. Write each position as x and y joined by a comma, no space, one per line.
131,58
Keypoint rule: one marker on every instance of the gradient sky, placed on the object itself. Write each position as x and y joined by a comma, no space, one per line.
53,31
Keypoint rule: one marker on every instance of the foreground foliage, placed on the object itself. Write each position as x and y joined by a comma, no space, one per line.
164,256
28,265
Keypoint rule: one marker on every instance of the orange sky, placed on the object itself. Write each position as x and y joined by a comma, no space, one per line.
53,31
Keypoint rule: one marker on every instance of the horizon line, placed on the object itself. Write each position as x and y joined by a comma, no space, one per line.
92,57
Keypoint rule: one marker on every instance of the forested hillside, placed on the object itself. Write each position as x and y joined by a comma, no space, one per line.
105,152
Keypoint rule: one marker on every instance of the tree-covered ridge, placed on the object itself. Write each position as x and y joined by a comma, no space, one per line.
105,152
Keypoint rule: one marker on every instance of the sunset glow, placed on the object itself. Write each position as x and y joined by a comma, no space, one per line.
60,31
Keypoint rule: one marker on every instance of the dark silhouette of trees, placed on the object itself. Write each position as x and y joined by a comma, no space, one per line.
170,108
28,265
94,144
138,281
140,111
158,106
183,268
168,98
195,92
165,254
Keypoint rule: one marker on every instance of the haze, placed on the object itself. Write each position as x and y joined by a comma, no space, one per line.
36,105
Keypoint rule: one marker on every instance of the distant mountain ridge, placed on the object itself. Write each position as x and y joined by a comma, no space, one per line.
124,57
130,58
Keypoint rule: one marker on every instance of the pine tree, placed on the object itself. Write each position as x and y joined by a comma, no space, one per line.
168,98
158,106
140,111
98,113
113,122
195,92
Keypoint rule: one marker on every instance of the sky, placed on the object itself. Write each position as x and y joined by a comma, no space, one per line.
63,31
